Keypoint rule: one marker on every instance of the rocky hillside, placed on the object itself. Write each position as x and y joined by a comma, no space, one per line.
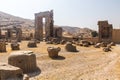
7,20
76,31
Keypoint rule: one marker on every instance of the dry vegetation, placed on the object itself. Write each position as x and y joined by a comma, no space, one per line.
87,64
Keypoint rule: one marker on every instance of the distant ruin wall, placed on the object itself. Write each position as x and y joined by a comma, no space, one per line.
96,39
67,38
105,31
116,35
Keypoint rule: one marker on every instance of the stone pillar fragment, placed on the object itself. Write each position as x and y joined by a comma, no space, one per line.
2,46
8,72
19,34
0,33
39,28
26,60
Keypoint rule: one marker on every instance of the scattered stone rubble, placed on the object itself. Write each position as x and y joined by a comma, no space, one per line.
15,45
97,45
106,49
70,48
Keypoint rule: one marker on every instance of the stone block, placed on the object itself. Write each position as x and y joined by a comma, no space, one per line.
26,60
8,72
53,52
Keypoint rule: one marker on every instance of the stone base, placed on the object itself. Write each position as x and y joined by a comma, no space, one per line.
8,72
26,60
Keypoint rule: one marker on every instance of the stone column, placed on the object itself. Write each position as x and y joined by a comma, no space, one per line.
2,46
19,34
38,28
9,34
49,27
0,33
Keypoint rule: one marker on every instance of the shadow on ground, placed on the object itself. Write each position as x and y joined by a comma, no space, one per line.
59,58
33,74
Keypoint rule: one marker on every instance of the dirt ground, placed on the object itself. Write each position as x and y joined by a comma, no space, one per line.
88,64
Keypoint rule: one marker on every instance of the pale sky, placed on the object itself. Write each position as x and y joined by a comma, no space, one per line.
78,13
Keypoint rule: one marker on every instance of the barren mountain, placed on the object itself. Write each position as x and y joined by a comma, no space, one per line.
7,20
76,31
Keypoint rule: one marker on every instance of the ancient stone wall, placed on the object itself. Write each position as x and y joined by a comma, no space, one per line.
105,31
14,33
58,32
19,34
116,35
95,39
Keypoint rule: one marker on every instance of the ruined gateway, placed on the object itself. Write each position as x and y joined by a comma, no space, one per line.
50,31
48,15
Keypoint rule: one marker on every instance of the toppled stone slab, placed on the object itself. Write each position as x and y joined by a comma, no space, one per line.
112,44
32,44
109,45
106,49
26,60
86,44
53,52
8,72
70,48
103,44
49,42
97,45
15,46
62,42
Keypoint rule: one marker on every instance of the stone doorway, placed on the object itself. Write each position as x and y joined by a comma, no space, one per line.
44,30
44,21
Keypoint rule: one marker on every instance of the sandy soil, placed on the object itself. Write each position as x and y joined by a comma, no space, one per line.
87,64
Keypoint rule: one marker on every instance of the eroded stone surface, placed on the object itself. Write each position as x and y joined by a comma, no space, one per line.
53,52
32,44
15,46
26,60
2,46
8,72
69,47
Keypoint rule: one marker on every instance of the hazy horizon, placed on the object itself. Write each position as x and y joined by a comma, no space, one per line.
77,13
